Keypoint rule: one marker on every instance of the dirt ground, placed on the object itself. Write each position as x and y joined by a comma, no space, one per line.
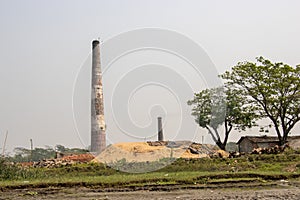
144,152
284,192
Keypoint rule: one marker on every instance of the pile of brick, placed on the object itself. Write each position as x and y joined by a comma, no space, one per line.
269,150
219,154
62,161
235,154
157,143
82,158
52,163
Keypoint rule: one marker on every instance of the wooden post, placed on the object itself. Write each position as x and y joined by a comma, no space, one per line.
4,144
31,149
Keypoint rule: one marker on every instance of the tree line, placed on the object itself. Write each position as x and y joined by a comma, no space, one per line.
26,155
252,91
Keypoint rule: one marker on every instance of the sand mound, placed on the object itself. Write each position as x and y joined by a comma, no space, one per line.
152,151
188,154
138,147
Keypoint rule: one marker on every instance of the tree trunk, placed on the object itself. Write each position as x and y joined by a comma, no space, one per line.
221,145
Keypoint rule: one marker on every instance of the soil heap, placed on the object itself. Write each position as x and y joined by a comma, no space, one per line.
154,151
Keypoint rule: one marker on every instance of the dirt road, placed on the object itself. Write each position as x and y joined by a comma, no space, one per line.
82,193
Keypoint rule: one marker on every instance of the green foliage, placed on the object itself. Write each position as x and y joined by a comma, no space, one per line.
273,88
226,107
181,171
140,167
26,155
65,150
11,171
7,171
87,169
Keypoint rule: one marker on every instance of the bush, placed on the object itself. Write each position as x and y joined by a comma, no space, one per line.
7,170
11,171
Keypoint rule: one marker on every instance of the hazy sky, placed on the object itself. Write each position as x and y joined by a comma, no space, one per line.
43,45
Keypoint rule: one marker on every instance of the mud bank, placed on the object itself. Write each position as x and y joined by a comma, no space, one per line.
285,191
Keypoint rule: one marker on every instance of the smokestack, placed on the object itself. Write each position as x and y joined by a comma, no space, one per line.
160,130
98,139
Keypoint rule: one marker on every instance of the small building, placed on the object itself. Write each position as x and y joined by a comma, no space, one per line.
248,143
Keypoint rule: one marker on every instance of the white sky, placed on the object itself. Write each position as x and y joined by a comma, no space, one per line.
44,43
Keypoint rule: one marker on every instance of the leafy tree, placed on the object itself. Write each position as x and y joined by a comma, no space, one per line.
274,88
60,148
65,150
21,154
76,151
216,107
42,153
24,155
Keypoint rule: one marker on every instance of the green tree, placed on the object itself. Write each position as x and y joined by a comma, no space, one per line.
274,88
42,153
24,155
21,154
216,107
63,149
60,148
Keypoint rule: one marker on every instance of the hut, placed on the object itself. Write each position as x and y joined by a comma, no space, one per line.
248,143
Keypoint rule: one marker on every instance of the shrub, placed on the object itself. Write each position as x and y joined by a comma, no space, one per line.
11,171
7,170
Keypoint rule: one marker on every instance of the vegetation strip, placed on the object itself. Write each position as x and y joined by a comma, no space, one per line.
154,182
183,173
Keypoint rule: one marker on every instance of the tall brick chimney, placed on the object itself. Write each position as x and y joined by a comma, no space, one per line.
98,138
160,130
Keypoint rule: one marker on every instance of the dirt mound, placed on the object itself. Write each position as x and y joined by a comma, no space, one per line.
79,158
189,154
153,151
136,152
138,147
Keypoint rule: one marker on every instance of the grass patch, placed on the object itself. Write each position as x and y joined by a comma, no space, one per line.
182,171
233,180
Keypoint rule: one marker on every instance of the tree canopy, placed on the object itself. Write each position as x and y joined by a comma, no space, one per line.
274,88
216,107
23,155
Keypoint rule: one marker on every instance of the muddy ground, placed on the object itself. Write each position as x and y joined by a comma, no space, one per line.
275,190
